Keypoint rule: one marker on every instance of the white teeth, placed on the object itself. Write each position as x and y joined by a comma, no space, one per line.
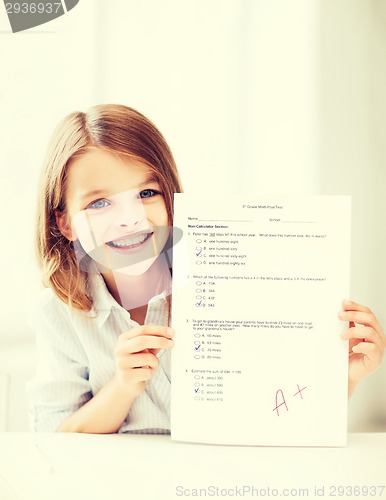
130,242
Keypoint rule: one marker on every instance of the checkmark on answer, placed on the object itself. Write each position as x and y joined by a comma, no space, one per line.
196,390
198,253
197,347
199,303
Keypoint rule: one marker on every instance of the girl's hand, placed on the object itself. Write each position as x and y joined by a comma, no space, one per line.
367,341
136,355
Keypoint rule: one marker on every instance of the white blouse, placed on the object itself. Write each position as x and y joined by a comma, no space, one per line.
76,359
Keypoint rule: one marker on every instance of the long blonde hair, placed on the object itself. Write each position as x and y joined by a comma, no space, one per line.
115,128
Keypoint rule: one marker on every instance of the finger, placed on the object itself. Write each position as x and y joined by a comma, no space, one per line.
362,318
354,342
138,344
137,361
139,375
157,352
350,305
361,332
153,330
370,351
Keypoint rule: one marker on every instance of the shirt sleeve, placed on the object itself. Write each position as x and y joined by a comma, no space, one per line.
61,384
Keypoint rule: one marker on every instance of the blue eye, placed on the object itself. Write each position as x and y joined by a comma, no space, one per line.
148,193
102,203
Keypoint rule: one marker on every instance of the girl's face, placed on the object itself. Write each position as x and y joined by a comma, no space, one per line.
115,208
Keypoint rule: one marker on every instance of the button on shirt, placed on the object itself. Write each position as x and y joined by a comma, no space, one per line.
76,359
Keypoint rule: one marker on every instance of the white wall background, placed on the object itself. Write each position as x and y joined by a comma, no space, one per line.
283,96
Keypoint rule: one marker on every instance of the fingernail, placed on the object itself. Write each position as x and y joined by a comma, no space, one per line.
347,302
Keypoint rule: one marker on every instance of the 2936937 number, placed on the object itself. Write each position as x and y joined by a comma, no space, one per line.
33,8
356,491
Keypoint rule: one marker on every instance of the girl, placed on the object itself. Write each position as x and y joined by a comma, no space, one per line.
103,241
106,207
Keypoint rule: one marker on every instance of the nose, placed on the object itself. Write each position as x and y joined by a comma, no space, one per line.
127,224
130,214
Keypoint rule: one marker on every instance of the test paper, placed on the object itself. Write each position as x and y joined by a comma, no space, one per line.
257,285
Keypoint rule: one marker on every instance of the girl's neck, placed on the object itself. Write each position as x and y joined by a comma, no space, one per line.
134,292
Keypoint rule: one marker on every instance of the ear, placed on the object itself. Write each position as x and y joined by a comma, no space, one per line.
64,226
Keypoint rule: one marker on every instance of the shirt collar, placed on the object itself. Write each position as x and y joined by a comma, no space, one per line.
103,301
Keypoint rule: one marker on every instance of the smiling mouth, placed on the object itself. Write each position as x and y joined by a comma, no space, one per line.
129,243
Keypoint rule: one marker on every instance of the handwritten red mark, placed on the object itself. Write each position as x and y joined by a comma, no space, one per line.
281,404
300,391
283,401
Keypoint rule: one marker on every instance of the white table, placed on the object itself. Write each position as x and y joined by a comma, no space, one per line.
135,467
